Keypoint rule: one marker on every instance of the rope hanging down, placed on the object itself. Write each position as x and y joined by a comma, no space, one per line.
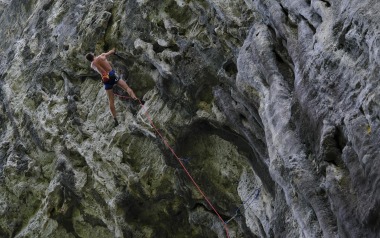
181,163
253,196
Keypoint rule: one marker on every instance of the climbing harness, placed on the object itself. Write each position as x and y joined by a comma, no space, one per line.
105,78
180,162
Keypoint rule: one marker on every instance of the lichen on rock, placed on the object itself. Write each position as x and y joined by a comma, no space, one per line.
272,106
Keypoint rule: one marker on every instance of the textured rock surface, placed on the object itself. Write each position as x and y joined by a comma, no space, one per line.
273,106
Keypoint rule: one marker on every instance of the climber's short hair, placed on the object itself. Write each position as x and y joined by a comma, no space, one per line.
90,57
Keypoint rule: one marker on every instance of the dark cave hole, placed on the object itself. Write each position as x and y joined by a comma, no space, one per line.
340,139
47,6
158,48
327,4
230,67
174,47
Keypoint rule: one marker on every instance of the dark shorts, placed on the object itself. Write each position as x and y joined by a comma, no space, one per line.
111,81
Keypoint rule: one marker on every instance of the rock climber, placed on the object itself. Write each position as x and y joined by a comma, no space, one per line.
109,77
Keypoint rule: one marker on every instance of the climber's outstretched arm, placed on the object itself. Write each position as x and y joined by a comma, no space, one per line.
109,53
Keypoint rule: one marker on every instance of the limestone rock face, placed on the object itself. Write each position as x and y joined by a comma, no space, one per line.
273,106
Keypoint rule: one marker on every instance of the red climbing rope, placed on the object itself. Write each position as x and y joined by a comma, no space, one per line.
180,162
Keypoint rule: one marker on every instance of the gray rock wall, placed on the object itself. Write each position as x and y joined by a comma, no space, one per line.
273,107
